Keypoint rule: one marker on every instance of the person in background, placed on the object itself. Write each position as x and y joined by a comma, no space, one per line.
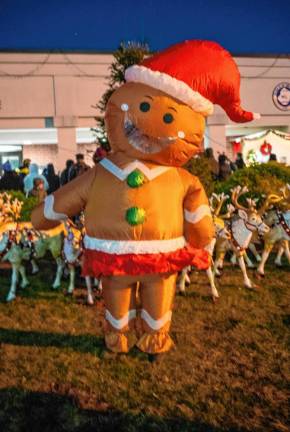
273,157
240,161
79,168
10,179
24,169
52,178
224,167
38,190
28,180
214,166
64,175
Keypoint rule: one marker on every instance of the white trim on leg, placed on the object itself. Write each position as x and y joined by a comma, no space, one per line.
122,322
156,324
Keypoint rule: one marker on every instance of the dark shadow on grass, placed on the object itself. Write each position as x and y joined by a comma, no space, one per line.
81,343
28,411
86,343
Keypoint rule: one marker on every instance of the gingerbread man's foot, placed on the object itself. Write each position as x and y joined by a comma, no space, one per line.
120,342
155,343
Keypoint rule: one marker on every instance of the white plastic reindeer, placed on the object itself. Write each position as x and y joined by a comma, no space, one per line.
10,251
72,251
97,283
216,204
283,249
221,221
10,238
280,230
241,229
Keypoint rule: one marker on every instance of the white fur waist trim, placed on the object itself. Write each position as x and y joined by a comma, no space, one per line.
121,247
48,211
198,214
122,322
156,324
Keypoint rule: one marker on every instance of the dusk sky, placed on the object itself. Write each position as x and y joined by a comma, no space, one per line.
249,26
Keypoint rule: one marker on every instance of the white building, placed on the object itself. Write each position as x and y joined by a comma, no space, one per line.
46,110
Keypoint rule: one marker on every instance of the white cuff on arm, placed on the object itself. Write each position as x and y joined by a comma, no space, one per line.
49,213
198,214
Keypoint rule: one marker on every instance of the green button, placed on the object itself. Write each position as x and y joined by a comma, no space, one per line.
135,215
135,179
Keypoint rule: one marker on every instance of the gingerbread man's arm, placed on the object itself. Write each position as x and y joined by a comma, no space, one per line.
198,223
66,202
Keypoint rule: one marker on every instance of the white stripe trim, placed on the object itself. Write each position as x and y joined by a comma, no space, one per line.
48,211
172,86
198,214
122,322
122,173
156,324
121,247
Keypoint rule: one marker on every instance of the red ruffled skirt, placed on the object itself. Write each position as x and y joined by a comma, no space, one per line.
97,263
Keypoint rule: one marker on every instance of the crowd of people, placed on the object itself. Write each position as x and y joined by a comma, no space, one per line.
222,168
29,180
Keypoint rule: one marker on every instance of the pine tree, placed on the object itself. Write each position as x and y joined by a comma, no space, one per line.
126,55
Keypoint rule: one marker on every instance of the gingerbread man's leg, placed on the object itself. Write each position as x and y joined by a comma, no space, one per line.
120,304
157,294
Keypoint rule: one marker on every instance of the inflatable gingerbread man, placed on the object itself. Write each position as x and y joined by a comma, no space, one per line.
146,217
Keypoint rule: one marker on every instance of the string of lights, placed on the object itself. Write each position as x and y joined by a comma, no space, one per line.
30,73
268,68
214,141
83,74
263,135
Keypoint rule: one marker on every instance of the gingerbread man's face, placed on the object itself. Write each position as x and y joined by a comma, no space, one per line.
148,124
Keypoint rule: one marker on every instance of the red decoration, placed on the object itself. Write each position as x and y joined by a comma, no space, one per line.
97,263
192,69
236,146
99,154
266,149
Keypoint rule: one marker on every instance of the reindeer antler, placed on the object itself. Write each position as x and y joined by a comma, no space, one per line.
237,192
286,192
10,208
270,199
220,199
252,203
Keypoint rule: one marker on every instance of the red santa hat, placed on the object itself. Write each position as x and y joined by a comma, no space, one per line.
198,73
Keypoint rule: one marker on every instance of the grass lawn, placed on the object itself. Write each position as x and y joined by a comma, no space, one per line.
228,371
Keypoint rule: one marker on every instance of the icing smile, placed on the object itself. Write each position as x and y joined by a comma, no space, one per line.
144,143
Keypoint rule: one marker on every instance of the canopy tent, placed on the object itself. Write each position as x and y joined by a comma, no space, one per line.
258,147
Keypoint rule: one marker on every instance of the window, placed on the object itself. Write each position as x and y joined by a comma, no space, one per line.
49,122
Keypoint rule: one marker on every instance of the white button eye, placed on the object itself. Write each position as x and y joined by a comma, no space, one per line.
181,134
124,107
